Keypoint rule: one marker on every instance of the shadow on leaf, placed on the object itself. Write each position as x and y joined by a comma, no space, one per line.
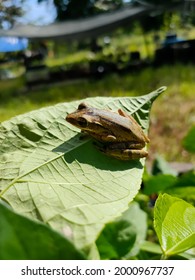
84,151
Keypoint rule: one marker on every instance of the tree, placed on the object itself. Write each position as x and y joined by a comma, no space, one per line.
8,12
70,9
155,21
161,2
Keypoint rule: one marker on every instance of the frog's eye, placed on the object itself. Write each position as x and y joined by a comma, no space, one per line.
82,122
82,106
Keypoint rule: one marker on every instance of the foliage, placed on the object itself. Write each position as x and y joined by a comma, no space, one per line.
58,183
164,18
71,10
121,238
163,178
17,241
149,22
9,11
48,173
174,222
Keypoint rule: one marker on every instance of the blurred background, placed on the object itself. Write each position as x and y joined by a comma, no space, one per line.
63,50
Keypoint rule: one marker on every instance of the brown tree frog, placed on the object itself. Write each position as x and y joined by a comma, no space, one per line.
119,135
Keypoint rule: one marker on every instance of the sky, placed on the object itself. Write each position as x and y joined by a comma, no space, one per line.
38,13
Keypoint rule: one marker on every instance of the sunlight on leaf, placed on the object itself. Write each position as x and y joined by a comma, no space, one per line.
174,222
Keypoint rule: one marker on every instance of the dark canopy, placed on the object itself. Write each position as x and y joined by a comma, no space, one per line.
82,28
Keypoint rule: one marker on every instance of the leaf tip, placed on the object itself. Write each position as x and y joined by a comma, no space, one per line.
161,89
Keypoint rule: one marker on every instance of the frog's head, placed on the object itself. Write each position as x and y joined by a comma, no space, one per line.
85,119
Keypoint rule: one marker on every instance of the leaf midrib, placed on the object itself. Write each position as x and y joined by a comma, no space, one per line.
37,167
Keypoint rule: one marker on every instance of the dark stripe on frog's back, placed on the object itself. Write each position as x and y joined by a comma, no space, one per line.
113,120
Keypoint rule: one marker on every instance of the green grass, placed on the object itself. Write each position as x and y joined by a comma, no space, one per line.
68,58
171,117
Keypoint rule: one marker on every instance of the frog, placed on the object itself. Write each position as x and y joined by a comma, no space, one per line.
117,134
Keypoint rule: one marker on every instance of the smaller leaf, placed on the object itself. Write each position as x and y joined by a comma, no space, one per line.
187,193
174,223
186,179
138,218
184,187
130,229
151,247
188,141
158,183
116,239
24,239
189,254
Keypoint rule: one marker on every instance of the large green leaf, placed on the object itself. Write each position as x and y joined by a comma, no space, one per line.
17,241
48,173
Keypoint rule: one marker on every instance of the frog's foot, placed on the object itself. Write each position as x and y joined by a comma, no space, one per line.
83,135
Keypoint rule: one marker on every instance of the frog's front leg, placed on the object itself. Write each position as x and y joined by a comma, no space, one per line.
104,137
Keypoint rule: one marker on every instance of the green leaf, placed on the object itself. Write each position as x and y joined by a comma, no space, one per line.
187,193
92,252
48,173
189,254
151,247
24,239
184,187
121,239
138,218
186,179
188,141
174,223
158,183
116,240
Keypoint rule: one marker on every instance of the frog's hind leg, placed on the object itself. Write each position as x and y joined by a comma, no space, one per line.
123,114
126,154
129,154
